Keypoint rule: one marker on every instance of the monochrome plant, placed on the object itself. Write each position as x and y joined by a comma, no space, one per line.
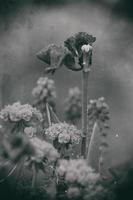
71,178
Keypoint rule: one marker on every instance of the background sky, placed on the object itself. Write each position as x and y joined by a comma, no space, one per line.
28,26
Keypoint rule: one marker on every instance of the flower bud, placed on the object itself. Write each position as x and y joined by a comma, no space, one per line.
86,48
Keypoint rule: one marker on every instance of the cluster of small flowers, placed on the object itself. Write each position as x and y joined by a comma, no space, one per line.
44,150
98,110
73,104
45,89
17,112
76,171
64,132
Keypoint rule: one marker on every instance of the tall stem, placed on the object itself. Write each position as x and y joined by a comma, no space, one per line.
85,77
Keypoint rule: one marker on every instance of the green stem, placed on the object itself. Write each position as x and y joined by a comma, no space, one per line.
85,77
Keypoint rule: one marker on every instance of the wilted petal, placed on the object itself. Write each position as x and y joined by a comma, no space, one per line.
71,62
44,54
71,45
53,55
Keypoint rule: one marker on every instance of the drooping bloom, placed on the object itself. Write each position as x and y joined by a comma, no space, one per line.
75,43
69,55
55,56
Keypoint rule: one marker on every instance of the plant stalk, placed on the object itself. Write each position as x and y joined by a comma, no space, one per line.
85,78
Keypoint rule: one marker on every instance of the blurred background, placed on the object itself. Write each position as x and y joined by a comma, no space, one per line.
26,26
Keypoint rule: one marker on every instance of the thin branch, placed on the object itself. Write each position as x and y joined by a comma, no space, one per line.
10,173
48,115
54,114
91,141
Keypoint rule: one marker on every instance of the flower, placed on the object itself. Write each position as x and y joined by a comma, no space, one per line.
30,131
17,112
76,171
98,110
73,192
64,138
62,168
73,104
86,48
75,43
44,150
54,57
64,132
45,89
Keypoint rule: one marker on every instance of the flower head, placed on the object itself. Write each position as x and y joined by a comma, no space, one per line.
64,132
45,89
75,43
17,112
54,56
44,150
77,171
98,110
73,104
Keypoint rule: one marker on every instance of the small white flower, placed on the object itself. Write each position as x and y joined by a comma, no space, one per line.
30,131
64,138
86,48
